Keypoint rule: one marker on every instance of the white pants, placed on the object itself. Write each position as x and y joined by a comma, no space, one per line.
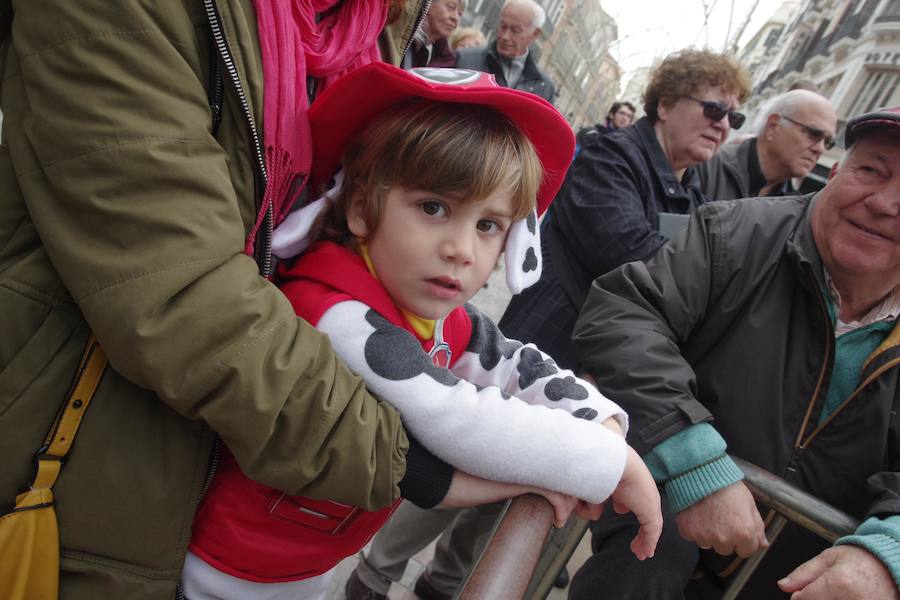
202,581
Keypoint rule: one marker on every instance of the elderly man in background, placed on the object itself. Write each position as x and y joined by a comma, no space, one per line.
431,46
797,127
509,57
770,325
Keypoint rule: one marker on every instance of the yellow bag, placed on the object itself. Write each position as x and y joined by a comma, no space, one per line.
29,538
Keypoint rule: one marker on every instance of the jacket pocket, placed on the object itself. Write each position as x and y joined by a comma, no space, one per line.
33,334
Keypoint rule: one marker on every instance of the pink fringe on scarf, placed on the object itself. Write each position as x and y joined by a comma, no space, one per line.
293,47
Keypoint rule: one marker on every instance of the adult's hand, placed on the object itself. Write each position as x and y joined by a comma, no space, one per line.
726,521
841,573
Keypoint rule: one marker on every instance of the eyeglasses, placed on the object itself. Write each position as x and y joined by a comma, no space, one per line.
815,135
717,110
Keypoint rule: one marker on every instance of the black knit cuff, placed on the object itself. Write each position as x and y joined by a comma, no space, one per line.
427,477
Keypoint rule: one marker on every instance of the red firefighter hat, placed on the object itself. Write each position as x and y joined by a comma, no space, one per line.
344,110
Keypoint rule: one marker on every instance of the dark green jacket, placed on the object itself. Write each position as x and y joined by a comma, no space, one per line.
120,212
728,323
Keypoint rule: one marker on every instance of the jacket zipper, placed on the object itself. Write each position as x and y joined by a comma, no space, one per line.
264,252
799,444
214,459
412,35
216,92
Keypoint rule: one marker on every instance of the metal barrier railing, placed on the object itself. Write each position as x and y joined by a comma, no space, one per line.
791,504
506,565
514,551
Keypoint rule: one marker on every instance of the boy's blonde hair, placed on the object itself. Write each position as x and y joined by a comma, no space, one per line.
464,152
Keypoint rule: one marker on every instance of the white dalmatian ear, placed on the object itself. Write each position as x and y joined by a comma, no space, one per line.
523,254
291,237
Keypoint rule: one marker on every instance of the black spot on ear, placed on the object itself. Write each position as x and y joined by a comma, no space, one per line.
531,222
565,387
532,366
588,414
530,263
487,341
396,355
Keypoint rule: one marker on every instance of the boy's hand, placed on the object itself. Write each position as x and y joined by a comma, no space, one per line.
637,493
469,490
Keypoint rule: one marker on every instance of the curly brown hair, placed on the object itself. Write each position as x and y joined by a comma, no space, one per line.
681,73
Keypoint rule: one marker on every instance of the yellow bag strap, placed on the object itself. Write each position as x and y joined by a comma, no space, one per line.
62,433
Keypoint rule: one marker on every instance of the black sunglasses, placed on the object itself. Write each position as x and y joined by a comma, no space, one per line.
814,134
717,110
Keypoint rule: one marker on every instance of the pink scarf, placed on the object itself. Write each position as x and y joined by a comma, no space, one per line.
294,44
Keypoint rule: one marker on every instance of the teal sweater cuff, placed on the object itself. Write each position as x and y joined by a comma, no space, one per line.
695,485
692,464
881,538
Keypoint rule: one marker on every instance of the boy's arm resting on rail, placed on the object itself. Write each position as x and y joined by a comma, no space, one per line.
479,430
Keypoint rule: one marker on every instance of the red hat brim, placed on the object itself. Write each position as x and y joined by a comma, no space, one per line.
345,109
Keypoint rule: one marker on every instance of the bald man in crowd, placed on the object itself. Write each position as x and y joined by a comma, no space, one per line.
797,127
509,57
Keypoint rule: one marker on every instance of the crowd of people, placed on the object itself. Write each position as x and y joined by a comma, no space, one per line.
274,235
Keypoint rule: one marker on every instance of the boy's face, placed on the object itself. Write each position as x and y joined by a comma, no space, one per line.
433,253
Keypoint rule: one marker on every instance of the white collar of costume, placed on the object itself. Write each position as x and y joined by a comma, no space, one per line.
522,252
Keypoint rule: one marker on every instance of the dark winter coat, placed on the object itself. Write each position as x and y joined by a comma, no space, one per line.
485,58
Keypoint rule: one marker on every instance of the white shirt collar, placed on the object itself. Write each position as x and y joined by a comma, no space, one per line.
886,310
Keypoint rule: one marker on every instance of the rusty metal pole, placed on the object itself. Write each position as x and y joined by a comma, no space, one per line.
504,570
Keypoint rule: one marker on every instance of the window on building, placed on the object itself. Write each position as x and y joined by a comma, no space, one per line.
879,86
828,87
773,37
891,8
554,10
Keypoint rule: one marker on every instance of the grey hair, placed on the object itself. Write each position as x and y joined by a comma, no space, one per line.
784,104
540,15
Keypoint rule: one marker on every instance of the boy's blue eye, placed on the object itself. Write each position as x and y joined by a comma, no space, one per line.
433,208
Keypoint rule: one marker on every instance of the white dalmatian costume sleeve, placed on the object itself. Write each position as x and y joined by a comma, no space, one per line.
523,371
476,426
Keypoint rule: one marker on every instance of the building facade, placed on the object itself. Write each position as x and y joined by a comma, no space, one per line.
849,48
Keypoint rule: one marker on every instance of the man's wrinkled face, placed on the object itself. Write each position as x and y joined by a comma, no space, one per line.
516,30
856,218
799,139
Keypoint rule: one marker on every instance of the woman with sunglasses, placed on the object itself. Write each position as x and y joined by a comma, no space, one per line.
624,187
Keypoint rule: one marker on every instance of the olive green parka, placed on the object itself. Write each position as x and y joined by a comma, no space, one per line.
122,213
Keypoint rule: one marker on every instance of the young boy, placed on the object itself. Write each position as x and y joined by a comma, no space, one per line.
441,170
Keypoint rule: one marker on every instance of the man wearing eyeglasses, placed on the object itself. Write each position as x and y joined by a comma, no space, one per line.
797,127
769,330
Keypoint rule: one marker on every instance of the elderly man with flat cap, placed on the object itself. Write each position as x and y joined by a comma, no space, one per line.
768,326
